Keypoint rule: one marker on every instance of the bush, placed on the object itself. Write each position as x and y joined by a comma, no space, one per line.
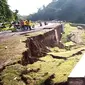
13,29
6,29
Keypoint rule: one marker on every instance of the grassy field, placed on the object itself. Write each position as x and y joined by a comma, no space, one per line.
48,71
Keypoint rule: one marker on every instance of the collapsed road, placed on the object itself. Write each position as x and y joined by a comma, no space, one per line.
5,34
49,35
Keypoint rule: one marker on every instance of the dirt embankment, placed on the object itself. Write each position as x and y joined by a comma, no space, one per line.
39,45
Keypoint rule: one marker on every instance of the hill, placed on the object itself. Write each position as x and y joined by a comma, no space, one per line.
68,10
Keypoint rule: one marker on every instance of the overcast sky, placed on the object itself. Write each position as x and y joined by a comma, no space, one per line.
27,7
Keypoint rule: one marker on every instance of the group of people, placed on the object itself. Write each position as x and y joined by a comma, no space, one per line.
22,24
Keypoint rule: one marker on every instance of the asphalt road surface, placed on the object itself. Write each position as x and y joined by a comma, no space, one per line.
5,34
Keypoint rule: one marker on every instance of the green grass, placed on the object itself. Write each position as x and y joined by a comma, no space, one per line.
11,75
7,28
67,29
65,53
47,68
60,68
63,71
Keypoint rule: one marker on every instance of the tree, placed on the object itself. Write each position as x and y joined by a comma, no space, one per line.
66,10
15,15
5,12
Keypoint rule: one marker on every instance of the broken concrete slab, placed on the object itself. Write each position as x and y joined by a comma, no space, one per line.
77,76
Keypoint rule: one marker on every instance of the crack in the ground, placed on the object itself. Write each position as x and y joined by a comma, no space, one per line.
77,53
58,57
27,59
66,58
48,81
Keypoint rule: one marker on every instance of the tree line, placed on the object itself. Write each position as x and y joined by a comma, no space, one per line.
66,10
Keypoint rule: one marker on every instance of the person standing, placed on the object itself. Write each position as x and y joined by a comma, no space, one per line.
62,27
25,24
22,24
45,23
29,25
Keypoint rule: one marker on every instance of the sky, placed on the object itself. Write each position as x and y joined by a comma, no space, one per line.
27,7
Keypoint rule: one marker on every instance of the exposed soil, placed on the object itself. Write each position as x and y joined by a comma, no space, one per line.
75,36
58,57
37,47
